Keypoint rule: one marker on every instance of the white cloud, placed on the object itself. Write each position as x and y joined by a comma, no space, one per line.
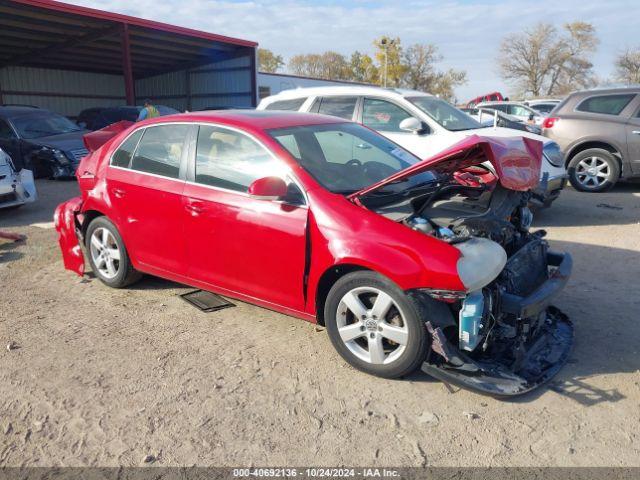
467,32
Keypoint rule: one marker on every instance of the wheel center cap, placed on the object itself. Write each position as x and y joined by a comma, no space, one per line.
592,171
371,324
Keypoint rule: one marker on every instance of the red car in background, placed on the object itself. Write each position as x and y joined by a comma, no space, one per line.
407,262
489,97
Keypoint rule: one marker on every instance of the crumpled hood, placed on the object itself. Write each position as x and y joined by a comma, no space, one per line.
517,162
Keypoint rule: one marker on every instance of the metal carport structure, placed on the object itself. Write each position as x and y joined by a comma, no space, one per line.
66,58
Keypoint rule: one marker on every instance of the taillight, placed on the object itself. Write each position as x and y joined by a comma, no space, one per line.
549,122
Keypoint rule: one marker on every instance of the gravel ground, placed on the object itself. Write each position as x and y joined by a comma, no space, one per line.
106,377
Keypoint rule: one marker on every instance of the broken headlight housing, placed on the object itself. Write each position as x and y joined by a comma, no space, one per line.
481,261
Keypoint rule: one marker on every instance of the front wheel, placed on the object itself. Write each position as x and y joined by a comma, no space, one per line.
108,256
594,170
374,326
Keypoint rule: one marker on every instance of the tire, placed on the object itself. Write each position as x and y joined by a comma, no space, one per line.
114,271
370,350
594,170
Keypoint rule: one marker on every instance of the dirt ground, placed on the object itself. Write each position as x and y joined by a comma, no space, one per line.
105,377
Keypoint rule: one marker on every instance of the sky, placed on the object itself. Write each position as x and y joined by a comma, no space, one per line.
467,32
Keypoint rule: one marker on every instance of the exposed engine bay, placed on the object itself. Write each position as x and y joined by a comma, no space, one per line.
501,336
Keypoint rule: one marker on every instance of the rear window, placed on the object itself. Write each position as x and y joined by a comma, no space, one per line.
292,105
607,104
342,107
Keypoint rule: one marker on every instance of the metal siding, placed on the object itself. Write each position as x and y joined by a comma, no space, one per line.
60,82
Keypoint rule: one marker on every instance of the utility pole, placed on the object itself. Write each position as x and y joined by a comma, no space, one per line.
386,43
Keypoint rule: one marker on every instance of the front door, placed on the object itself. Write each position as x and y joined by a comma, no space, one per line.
145,183
235,242
385,117
10,143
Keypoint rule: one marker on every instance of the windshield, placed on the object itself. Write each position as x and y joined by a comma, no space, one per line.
445,114
346,157
43,124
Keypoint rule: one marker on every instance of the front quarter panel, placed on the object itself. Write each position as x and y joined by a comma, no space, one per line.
343,233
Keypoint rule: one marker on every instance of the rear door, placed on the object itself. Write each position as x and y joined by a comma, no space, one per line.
235,242
633,138
145,181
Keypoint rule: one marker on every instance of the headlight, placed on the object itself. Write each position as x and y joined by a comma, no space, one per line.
481,261
553,154
58,155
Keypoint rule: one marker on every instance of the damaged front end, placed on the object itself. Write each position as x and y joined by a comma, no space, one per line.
500,336
16,187
506,338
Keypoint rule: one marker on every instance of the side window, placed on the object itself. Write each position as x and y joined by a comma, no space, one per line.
518,111
292,105
122,156
342,148
231,160
6,132
500,107
160,150
608,104
382,115
342,107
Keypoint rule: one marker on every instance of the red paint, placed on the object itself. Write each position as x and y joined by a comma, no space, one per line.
254,249
268,187
489,97
517,161
95,140
549,122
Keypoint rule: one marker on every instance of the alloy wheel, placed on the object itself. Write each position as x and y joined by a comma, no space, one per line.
592,172
105,252
372,325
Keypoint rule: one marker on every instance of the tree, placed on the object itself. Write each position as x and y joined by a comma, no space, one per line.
544,61
328,65
389,58
268,61
363,68
421,73
628,66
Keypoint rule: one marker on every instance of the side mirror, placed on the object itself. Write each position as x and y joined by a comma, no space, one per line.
413,125
82,124
531,116
268,188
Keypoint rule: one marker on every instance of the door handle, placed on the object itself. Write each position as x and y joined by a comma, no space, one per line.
118,192
88,174
636,132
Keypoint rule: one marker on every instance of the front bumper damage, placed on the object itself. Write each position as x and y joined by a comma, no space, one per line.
523,363
16,188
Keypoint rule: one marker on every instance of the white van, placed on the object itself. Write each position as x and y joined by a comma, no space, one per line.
421,123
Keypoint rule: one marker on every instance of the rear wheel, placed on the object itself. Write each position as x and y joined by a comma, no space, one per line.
374,326
594,170
108,256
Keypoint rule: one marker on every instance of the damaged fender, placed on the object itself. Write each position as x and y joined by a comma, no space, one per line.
65,220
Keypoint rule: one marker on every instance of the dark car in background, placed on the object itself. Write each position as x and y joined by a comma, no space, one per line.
99,117
599,132
42,141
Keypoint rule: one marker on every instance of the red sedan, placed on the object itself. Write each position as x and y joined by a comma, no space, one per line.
406,262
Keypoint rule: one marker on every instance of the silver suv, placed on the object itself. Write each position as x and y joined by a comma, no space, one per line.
599,132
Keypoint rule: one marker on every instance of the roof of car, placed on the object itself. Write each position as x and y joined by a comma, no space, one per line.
607,90
251,119
345,90
16,111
